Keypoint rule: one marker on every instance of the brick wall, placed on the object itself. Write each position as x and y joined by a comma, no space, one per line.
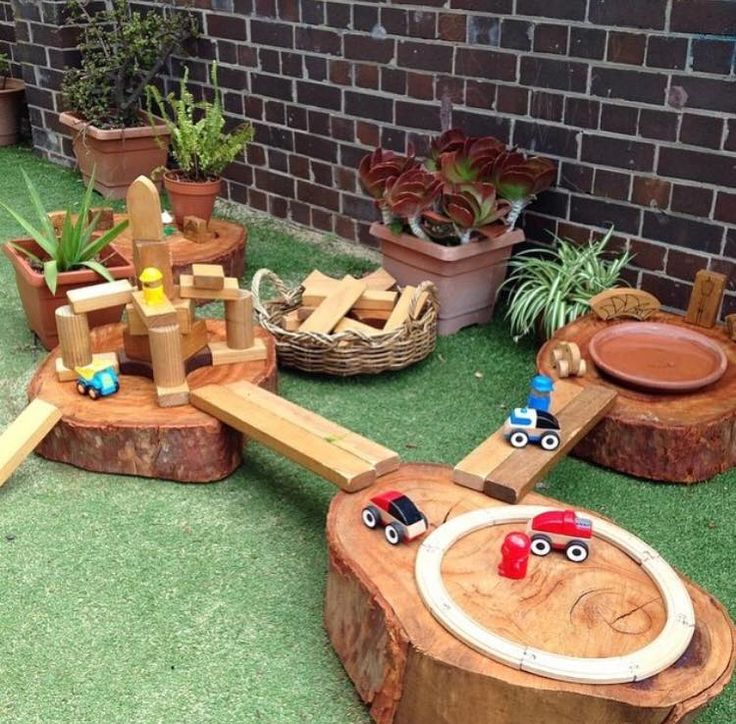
635,100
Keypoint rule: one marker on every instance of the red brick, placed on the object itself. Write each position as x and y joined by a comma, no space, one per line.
480,94
576,177
650,192
512,99
661,125
338,15
275,113
264,32
342,128
269,60
618,152
619,119
288,10
477,124
422,24
730,143
486,6
317,40
712,17
360,47
516,34
420,86
489,64
563,9
628,48
728,268
366,76
631,85
316,195
322,220
345,227
257,199
271,86
550,38
647,256
319,123
394,20
425,56
670,293
682,265
393,139
452,27
682,231
546,106
706,93
582,112
713,168
393,80
549,73
364,17
693,200
299,166
318,94
554,202
416,115
292,64
321,173
296,117
596,212
316,67
649,14
612,184
701,130
274,183
315,147
587,43
712,56
538,228
450,87
546,139
345,178
667,52
726,207
358,207
313,12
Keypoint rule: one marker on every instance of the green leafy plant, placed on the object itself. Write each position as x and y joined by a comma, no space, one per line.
75,246
551,287
200,143
122,52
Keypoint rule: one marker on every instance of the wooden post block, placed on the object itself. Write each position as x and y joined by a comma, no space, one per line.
208,276
24,434
731,326
400,313
166,356
100,296
74,339
187,290
239,321
144,211
222,354
334,307
101,359
158,315
706,297
195,229
156,254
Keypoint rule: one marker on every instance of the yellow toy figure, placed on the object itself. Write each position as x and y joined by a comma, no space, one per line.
152,284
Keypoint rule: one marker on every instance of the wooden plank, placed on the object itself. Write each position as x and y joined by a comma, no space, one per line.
144,210
473,470
334,307
522,470
224,355
706,297
208,276
154,315
187,290
24,434
379,457
342,468
379,280
100,296
369,301
400,313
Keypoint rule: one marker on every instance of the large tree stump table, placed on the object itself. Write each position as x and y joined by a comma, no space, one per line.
128,433
410,669
673,437
227,247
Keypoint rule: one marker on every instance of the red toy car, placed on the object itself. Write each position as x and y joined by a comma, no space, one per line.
562,530
402,520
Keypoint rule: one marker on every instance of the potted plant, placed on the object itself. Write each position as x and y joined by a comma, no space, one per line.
11,99
451,219
551,287
122,52
200,145
51,262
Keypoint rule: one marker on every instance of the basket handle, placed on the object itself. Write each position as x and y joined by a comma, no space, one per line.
263,275
427,288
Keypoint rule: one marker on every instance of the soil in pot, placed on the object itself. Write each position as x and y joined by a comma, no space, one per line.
11,101
191,198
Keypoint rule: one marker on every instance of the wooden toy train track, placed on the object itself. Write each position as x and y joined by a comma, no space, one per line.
656,656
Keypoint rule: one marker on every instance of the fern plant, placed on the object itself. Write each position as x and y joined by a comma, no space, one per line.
551,287
200,145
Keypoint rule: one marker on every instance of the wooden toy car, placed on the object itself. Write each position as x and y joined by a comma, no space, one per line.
561,530
526,425
97,382
402,520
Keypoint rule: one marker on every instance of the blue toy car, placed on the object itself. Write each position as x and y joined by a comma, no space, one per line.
97,382
526,425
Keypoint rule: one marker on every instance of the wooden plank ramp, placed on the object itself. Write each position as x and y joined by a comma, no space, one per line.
503,472
340,456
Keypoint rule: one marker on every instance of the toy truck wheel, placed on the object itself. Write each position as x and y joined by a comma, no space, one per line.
550,441
394,534
541,545
518,439
576,551
370,516
81,389
93,393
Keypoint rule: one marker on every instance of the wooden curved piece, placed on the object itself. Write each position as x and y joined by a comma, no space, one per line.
128,433
410,669
624,302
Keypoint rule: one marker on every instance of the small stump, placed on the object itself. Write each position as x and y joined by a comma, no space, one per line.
672,437
128,433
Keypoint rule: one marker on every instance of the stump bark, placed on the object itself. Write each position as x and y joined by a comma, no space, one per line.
679,438
128,433
409,669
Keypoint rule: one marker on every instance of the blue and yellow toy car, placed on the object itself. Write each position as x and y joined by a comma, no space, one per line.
97,381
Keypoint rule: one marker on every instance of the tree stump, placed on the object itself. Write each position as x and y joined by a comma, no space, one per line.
227,248
666,436
409,669
128,433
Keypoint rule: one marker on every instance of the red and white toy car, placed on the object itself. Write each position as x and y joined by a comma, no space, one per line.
562,530
402,520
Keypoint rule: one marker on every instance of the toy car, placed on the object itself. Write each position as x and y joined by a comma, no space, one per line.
97,382
526,425
562,530
402,520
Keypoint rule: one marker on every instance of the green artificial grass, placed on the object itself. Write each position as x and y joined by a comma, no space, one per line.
128,599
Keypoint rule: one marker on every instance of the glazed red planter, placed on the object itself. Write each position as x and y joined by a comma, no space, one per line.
40,304
191,198
467,277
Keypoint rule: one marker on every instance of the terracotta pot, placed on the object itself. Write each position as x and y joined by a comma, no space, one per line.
11,101
40,304
191,198
118,155
467,277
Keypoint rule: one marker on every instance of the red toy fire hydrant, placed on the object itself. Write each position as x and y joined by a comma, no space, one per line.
514,555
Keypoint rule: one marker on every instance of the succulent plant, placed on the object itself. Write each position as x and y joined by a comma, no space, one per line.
519,178
447,142
411,193
472,207
471,162
376,169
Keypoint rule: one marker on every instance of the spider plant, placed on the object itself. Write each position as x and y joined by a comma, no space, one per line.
74,247
551,286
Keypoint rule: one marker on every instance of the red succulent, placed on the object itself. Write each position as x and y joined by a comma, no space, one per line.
447,142
518,177
412,192
473,206
471,162
377,168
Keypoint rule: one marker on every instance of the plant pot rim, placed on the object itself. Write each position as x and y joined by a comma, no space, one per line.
447,253
120,267
13,85
171,175
73,120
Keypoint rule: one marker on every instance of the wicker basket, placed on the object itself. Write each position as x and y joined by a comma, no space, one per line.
344,353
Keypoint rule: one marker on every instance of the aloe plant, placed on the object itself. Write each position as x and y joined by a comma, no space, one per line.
551,287
74,246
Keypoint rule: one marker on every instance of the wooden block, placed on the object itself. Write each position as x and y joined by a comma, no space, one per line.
239,321
731,326
100,296
172,396
144,211
136,326
185,313
104,359
334,307
473,470
187,290
400,313
224,355
159,315
156,254
706,297
369,316
137,347
317,278
167,356
195,229
522,470
74,337
24,434
379,280
208,276
342,468
346,325
379,457
624,302
57,220
290,321
369,301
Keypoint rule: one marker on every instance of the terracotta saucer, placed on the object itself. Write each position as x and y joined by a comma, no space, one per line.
658,356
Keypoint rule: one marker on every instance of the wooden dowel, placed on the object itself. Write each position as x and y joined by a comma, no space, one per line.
239,321
166,356
73,332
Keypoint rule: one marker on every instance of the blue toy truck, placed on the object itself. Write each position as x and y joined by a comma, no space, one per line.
96,381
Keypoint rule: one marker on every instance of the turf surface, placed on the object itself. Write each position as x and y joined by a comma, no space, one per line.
127,599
